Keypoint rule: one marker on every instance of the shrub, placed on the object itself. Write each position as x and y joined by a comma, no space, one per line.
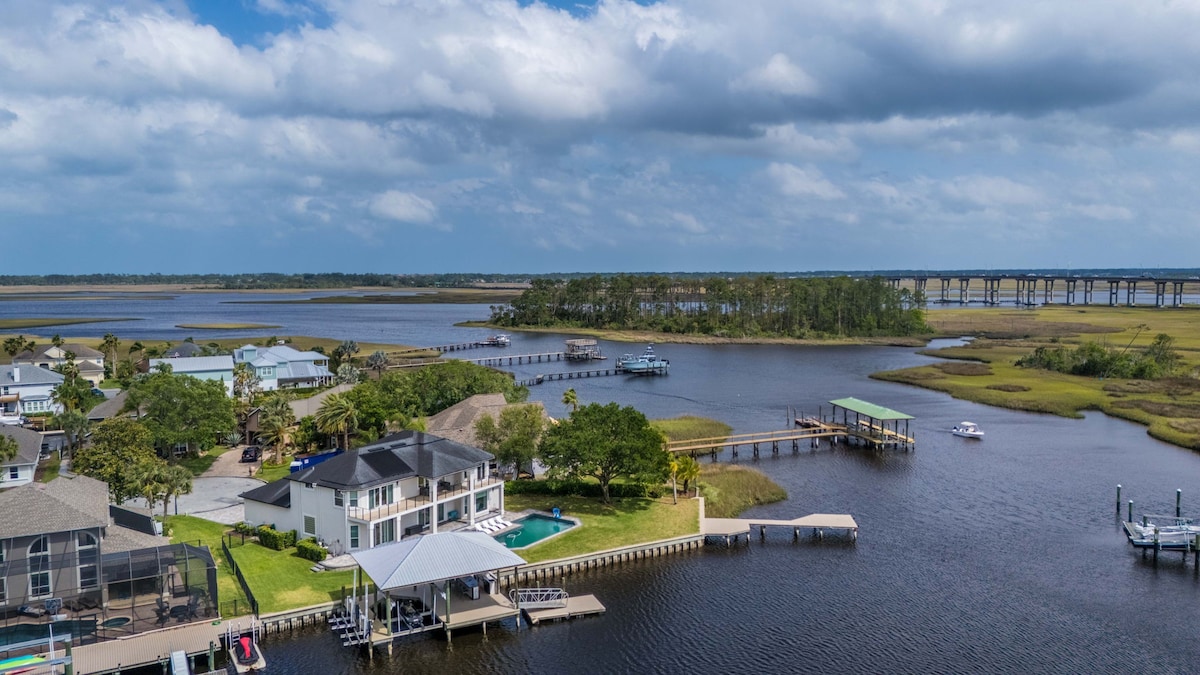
574,487
274,539
309,549
243,528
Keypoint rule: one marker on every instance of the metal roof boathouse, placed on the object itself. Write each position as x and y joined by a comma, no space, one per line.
873,424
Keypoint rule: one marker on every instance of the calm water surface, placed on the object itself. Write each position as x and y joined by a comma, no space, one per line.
1001,555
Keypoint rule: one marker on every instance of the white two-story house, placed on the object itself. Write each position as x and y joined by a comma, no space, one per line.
25,390
406,484
281,366
20,469
89,362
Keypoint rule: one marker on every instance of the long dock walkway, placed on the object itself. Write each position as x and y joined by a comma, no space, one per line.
869,434
732,528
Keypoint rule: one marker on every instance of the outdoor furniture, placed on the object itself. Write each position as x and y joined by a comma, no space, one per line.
30,610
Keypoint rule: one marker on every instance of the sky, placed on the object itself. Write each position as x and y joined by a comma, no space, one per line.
424,136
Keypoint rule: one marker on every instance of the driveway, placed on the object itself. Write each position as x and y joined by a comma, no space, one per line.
213,498
230,464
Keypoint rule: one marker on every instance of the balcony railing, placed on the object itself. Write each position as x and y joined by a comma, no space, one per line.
405,504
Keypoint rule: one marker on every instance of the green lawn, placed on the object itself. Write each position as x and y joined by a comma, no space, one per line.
48,470
192,530
273,472
200,464
282,580
625,522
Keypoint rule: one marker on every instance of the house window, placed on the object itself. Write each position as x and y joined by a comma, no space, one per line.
310,526
89,576
2,552
481,471
353,495
39,584
3,589
380,496
13,473
84,540
308,486
385,532
481,502
338,498
353,537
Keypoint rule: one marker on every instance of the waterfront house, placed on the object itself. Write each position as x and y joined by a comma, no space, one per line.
19,470
25,390
458,422
301,408
201,367
184,349
63,555
405,484
88,361
281,367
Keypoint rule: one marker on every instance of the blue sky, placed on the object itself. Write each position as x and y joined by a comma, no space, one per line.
505,136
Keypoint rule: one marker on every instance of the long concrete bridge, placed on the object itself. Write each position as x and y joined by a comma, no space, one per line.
1022,289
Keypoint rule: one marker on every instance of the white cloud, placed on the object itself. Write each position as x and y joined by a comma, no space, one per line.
405,207
778,76
794,181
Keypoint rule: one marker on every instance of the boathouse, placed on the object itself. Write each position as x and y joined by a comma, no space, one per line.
875,424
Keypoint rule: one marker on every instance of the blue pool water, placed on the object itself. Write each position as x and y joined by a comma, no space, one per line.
532,529
19,633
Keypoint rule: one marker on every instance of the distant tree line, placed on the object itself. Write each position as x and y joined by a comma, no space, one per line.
267,280
733,307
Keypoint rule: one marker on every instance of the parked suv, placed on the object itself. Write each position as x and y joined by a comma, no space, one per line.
252,454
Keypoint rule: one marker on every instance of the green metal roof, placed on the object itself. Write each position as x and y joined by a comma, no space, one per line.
871,410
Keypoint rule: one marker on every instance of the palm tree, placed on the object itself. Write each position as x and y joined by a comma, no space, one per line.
57,340
377,361
109,346
674,467
8,448
689,471
571,398
14,345
273,432
75,425
337,415
154,482
177,480
137,347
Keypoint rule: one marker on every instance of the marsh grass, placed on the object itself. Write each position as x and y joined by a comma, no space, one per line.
730,489
690,427
226,326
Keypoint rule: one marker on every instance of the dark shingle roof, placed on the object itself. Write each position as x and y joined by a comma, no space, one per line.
109,408
80,352
276,493
29,444
402,455
62,505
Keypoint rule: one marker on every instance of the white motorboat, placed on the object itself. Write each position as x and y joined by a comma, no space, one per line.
967,430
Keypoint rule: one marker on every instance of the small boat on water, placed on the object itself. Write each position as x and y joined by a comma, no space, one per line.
244,653
648,363
498,340
967,430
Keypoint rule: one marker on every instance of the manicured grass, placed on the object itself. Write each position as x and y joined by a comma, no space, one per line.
192,530
282,580
48,470
225,326
273,472
625,522
730,489
200,464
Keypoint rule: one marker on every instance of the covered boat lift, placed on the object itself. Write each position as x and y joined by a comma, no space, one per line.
874,424
431,569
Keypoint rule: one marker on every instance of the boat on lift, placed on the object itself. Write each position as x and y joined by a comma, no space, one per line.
648,363
244,652
498,340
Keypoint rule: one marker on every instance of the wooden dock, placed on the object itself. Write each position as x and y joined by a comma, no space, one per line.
148,649
733,528
580,605
571,375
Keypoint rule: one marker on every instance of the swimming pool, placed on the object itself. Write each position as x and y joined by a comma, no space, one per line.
23,632
534,528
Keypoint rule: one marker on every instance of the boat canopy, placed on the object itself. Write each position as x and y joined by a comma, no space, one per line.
870,409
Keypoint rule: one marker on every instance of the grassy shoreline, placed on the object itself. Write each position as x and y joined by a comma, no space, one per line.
985,371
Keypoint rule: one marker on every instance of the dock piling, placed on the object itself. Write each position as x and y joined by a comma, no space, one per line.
1129,516
1118,499
1178,502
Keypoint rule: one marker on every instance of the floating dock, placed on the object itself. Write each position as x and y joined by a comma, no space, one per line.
576,606
733,528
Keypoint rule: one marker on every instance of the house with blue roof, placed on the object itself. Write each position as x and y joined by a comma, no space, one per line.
282,367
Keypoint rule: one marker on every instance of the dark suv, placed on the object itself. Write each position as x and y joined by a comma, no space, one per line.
252,454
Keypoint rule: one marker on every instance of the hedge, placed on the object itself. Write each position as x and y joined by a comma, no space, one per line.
580,488
275,539
311,550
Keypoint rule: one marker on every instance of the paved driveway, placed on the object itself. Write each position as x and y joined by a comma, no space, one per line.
213,498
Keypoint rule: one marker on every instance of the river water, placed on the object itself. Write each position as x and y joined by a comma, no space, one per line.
1000,555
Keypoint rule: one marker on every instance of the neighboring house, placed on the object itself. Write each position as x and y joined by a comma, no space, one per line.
58,540
301,408
25,390
458,421
280,367
89,361
19,470
183,350
201,368
406,484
